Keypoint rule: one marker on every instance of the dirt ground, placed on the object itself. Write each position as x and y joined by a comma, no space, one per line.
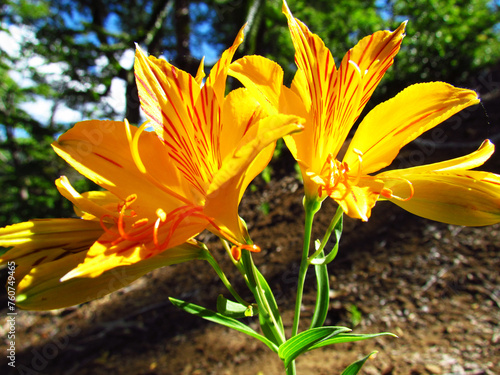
434,285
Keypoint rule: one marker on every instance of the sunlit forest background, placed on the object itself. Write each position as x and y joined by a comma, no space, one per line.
435,285
62,61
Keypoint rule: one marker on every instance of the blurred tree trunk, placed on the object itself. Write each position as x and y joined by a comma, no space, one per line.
184,59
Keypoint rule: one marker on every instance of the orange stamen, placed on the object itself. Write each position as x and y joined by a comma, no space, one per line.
334,173
236,252
387,193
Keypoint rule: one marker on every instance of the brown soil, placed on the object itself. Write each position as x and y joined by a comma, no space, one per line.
434,285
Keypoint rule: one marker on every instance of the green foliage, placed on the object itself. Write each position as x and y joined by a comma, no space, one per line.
303,341
223,320
354,368
355,315
28,167
449,41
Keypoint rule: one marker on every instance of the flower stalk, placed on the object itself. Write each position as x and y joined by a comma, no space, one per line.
311,207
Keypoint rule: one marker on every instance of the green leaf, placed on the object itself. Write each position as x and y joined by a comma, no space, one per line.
322,295
356,315
302,342
215,317
354,368
233,309
349,337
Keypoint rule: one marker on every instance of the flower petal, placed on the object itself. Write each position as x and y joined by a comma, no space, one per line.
101,151
41,288
472,160
167,94
373,55
459,197
104,199
217,78
132,234
398,121
312,58
262,76
360,199
237,171
182,114
240,112
40,241
186,118
111,250
332,97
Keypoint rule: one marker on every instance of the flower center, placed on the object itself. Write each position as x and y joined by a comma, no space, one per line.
336,177
133,229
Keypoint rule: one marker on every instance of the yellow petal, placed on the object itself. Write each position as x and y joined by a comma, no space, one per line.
182,115
398,121
241,111
237,171
332,97
108,201
300,87
84,206
217,78
356,197
42,289
168,96
200,74
472,160
359,200
312,58
262,76
299,143
186,119
36,242
373,55
459,197
100,150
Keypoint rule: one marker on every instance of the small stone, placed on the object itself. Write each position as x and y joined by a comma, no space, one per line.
433,369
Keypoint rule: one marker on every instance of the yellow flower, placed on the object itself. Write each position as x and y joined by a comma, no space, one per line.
161,188
61,262
332,99
217,143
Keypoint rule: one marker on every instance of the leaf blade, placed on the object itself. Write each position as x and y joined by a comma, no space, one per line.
302,342
218,318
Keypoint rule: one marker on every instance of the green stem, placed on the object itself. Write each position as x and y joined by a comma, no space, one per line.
210,259
290,370
310,207
333,223
265,310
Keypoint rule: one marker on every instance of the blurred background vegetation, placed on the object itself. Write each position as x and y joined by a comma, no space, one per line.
62,57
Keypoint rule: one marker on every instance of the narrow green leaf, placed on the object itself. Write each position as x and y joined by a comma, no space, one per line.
354,368
322,295
302,342
215,317
349,337
233,309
